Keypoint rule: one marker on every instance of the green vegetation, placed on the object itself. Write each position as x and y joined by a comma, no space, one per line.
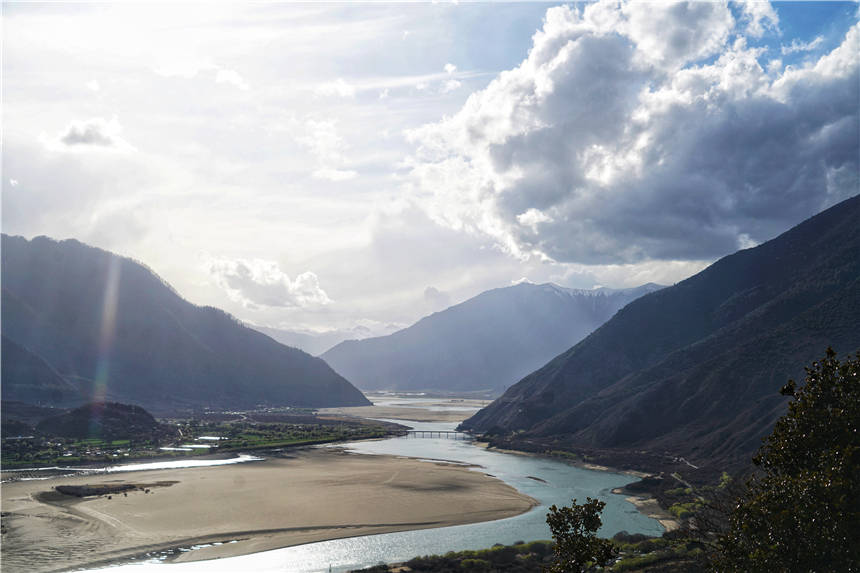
685,510
635,553
254,436
802,512
43,449
570,456
518,558
574,530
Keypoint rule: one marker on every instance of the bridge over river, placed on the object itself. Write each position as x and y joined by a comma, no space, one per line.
439,434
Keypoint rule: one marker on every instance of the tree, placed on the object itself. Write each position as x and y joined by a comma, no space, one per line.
574,531
801,511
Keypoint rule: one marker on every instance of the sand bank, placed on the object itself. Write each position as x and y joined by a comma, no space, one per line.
317,494
647,505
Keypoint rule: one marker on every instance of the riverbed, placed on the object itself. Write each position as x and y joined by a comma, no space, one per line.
547,481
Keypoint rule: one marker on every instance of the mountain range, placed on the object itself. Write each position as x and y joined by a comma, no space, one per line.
483,344
80,323
694,370
315,343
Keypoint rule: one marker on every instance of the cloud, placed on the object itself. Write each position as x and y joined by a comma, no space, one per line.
450,85
667,35
760,17
450,68
321,138
13,182
335,174
797,46
337,88
189,68
640,132
94,132
436,299
532,218
232,77
260,283
93,85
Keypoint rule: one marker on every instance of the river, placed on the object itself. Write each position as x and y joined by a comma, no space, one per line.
548,481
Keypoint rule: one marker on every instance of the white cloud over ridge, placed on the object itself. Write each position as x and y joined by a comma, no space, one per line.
641,132
259,283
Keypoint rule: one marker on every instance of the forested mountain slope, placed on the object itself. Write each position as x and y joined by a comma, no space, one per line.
694,370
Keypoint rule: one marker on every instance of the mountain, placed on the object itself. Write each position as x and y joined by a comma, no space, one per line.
112,329
30,379
485,343
694,370
316,343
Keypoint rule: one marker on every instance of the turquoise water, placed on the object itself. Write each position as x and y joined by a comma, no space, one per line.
560,483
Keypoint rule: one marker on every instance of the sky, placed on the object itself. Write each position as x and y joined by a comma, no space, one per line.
319,166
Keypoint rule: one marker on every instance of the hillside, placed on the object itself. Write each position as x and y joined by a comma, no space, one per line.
102,419
113,330
694,370
30,379
483,344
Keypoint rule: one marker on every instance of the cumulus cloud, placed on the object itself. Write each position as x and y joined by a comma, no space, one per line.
259,283
94,132
637,132
760,17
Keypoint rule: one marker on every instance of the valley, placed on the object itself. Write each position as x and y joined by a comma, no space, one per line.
300,496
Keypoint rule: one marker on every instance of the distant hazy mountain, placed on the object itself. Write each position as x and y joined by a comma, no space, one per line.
316,343
695,369
112,329
486,343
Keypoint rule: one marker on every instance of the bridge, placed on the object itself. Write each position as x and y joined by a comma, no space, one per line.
438,434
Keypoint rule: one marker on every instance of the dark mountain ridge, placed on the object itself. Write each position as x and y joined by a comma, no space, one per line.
102,419
483,344
694,370
113,329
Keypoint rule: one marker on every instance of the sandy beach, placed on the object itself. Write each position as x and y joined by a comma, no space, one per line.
316,494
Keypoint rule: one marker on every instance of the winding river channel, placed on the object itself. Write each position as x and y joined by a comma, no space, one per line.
548,481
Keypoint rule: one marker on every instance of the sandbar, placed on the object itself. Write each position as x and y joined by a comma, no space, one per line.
313,495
